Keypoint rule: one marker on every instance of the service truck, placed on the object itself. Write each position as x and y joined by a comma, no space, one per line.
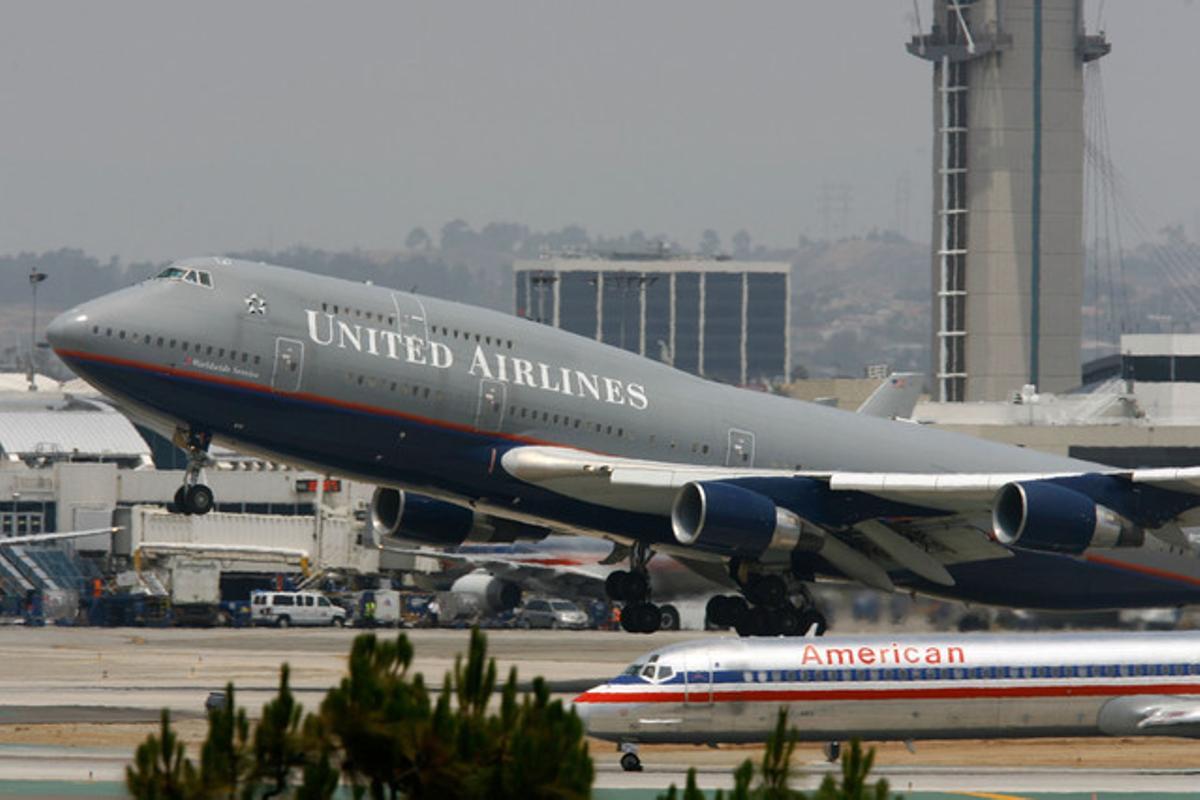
195,592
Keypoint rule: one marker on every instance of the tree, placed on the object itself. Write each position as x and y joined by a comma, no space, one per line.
383,731
225,757
160,771
279,748
741,244
775,775
418,239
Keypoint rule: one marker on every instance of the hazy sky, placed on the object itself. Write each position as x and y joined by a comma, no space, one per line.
155,129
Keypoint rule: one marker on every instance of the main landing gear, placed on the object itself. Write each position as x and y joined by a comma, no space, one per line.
765,607
631,588
193,497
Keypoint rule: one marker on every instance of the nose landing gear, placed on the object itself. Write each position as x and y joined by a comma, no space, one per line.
193,497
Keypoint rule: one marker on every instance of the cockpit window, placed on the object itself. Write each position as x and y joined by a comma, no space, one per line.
648,672
199,277
632,669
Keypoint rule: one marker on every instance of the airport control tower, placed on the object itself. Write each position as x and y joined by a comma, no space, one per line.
1007,193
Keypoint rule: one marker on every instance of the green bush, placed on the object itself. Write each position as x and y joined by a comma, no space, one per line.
383,733
775,775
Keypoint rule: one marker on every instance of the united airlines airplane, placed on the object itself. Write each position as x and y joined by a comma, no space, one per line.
478,426
902,688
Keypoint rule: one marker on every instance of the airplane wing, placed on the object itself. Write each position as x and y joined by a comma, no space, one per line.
529,572
895,398
868,523
503,565
37,538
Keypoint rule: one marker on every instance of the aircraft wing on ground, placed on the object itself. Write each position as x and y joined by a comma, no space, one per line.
868,523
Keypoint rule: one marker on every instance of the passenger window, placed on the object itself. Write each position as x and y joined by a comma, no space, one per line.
308,601
323,602
121,334
283,600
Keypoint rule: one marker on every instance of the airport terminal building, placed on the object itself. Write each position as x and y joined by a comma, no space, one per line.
721,319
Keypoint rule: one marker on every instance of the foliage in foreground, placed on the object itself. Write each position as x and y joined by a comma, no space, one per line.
775,775
382,732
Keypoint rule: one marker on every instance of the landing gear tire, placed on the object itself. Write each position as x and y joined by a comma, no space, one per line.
832,751
193,497
767,590
641,618
810,618
627,586
180,504
631,763
668,618
724,611
789,621
198,500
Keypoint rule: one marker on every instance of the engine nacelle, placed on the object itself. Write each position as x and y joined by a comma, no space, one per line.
1040,515
491,594
423,519
726,519
419,518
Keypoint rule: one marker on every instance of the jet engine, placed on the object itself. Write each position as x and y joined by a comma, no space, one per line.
420,518
728,520
485,591
1041,515
412,516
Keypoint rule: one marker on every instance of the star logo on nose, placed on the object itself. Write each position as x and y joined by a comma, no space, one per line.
256,305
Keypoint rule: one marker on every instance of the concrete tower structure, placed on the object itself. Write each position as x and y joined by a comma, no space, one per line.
1007,193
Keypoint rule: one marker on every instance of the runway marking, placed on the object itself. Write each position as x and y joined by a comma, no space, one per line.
991,796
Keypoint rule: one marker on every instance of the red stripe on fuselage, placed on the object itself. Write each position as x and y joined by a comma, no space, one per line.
700,695
1153,572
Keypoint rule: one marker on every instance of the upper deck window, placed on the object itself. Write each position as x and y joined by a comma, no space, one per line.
199,277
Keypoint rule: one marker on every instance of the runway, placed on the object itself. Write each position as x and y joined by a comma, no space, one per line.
75,702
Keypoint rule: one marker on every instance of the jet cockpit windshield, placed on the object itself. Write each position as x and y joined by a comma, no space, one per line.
650,671
199,277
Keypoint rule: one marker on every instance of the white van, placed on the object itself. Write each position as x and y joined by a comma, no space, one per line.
283,609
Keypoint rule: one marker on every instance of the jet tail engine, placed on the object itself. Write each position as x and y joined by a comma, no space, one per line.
489,593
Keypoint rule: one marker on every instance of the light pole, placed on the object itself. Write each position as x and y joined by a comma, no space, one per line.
35,278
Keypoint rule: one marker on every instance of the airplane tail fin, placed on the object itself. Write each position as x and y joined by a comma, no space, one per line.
895,398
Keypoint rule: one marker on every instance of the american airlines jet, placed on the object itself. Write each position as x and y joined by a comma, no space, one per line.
902,688
478,426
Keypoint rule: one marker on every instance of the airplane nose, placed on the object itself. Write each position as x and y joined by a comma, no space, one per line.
67,330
